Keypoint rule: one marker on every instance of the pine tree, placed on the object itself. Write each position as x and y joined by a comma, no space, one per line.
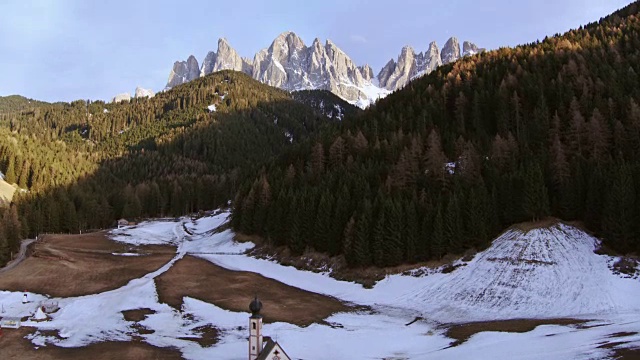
349,238
476,216
393,233
410,228
12,227
377,236
361,248
10,176
536,201
438,236
23,180
295,241
453,227
323,222
619,221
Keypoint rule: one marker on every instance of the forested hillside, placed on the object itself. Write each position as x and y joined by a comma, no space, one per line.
85,164
326,103
444,165
17,103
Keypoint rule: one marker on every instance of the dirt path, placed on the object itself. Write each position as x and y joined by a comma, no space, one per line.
21,255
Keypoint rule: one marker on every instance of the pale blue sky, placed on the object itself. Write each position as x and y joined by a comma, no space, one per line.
66,50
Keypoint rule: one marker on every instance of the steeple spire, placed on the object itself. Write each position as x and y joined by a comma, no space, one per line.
255,329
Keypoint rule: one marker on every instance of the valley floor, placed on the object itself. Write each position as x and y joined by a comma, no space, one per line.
178,288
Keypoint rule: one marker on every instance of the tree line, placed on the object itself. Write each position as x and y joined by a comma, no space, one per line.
84,164
442,166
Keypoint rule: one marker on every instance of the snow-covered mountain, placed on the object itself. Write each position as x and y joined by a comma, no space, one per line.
291,65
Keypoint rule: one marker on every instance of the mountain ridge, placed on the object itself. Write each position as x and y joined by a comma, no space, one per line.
288,63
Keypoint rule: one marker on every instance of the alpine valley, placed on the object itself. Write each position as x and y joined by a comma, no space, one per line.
460,204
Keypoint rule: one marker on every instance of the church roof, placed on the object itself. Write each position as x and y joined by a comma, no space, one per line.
269,344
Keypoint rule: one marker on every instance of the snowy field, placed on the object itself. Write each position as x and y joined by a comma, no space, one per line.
545,273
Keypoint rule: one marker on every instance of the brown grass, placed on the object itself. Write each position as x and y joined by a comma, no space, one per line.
137,314
463,332
540,224
207,336
75,265
233,290
626,354
13,345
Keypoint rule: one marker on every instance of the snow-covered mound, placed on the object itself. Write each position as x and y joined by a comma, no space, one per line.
543,273
549,272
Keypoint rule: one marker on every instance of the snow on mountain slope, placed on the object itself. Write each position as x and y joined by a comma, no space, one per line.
544,273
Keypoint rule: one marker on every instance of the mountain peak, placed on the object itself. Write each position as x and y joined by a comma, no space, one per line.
469,48
291,65
142,92
183,71
451,50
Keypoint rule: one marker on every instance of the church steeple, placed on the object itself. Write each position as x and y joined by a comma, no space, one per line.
255,329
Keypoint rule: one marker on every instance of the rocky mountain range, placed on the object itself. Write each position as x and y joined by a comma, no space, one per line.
291,65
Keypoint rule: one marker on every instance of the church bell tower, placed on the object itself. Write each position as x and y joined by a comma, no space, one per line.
255,329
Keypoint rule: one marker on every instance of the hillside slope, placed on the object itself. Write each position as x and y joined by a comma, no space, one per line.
455,157
544,273
184,150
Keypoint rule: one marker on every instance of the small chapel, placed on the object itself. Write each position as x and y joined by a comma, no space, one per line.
262,348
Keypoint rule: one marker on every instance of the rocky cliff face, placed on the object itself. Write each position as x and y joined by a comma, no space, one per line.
451,51
142,92
291,65
367,72
121,97
469,49
183,71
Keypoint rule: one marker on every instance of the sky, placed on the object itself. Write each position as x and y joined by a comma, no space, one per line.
64,50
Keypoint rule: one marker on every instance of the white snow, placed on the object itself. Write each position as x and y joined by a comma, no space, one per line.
159,232
544,273
212,108
371,91
105,111
278,65
40,315
289,136
450,168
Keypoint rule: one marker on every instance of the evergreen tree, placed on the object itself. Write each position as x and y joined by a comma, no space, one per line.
323,222
10,176
411,229
619,220
536,201
438,235
361,248
377,236
453,227
393,230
